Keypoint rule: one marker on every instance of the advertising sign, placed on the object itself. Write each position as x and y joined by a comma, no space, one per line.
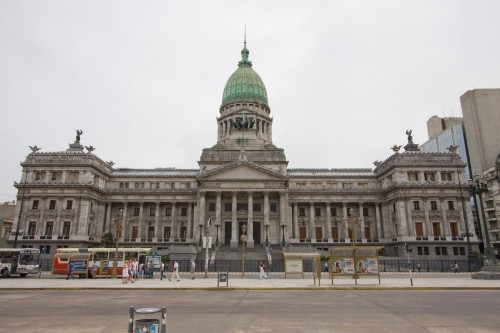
80,266
104,267
367,266
294,266
156,261
343,266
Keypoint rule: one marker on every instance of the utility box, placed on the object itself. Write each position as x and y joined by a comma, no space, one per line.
147,325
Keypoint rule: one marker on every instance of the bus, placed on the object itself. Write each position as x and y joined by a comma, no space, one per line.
102,257
19,261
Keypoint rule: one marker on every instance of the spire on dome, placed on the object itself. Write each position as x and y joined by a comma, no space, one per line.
244,53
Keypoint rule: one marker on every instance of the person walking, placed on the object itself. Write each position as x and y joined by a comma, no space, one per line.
175,272
193,268
419,268
326,266
262,273
455,268
125,272
71,266
162,270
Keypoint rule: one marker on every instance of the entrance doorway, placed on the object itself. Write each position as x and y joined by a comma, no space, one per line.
227,232
256,233
302,231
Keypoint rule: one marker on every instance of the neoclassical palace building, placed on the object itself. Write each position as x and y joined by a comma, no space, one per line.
243,187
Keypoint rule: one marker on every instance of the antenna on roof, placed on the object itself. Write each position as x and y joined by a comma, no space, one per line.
245,42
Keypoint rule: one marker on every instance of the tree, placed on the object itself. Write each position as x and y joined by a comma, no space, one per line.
107,239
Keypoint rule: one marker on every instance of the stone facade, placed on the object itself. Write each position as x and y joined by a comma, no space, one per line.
72,198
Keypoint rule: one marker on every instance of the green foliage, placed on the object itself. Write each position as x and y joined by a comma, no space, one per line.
382,252
324,258
107,239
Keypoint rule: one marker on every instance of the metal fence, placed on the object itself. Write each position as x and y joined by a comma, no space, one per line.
385,265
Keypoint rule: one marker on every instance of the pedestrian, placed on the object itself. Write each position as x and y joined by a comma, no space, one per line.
193,268
262,274
141,271
150,269
162,269
455,268
94,270
418,267
71,266
125,272
326,266
175,272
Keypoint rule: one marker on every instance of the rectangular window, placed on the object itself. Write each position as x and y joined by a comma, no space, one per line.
416,205
122,185
444,251
454,229
451,205
438,250
436,228
346,186
302,211
317,211
35,204
53,175
430,176
446,176
273,207
228,207
426,250
419,229
365,211
37,175
184,211
52,204
69,204
413,176
334,211
242,206
419,251
126,185
257,207
31,229
136,211
331,185
455,251
157,185
137,185
211,207
434,205
49,228
168,211
66,228
152,211
462,251
363,185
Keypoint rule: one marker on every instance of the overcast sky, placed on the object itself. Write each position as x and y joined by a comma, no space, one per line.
144,79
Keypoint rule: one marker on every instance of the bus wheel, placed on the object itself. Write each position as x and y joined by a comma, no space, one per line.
5,273
23,274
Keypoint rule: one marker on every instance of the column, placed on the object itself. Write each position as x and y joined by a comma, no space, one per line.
411,226
445,224
312,225
462,220
329,222
283,219
379,231
234,221
173,228
250,241
266,214
218,215
157,233
60,223
428,228
141,221
345,222
124,221
295,220
189,231
362,223
41,219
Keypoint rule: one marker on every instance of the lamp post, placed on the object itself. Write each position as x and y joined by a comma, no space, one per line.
477,187
267,234
118,229
243,241
408,251
217,226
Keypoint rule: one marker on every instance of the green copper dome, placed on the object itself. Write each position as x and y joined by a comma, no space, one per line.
244,84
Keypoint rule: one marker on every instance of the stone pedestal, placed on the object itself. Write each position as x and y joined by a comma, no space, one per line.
490,271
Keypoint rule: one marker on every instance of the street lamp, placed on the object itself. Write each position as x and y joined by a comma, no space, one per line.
207,231
118,229
283,225
477,186
201,227
243,241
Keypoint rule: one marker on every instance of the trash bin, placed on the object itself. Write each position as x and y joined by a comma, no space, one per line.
147,326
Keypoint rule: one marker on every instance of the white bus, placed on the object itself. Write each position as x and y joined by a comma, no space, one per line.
19,261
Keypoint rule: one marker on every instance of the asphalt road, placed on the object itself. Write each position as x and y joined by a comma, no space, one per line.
254,310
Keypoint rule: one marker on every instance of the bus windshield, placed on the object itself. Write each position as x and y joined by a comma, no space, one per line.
29,259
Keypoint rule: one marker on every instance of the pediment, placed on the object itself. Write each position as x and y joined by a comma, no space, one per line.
242,171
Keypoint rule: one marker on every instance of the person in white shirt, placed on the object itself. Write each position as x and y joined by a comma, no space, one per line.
175,272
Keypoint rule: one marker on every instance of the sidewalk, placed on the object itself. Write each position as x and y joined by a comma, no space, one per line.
276,281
